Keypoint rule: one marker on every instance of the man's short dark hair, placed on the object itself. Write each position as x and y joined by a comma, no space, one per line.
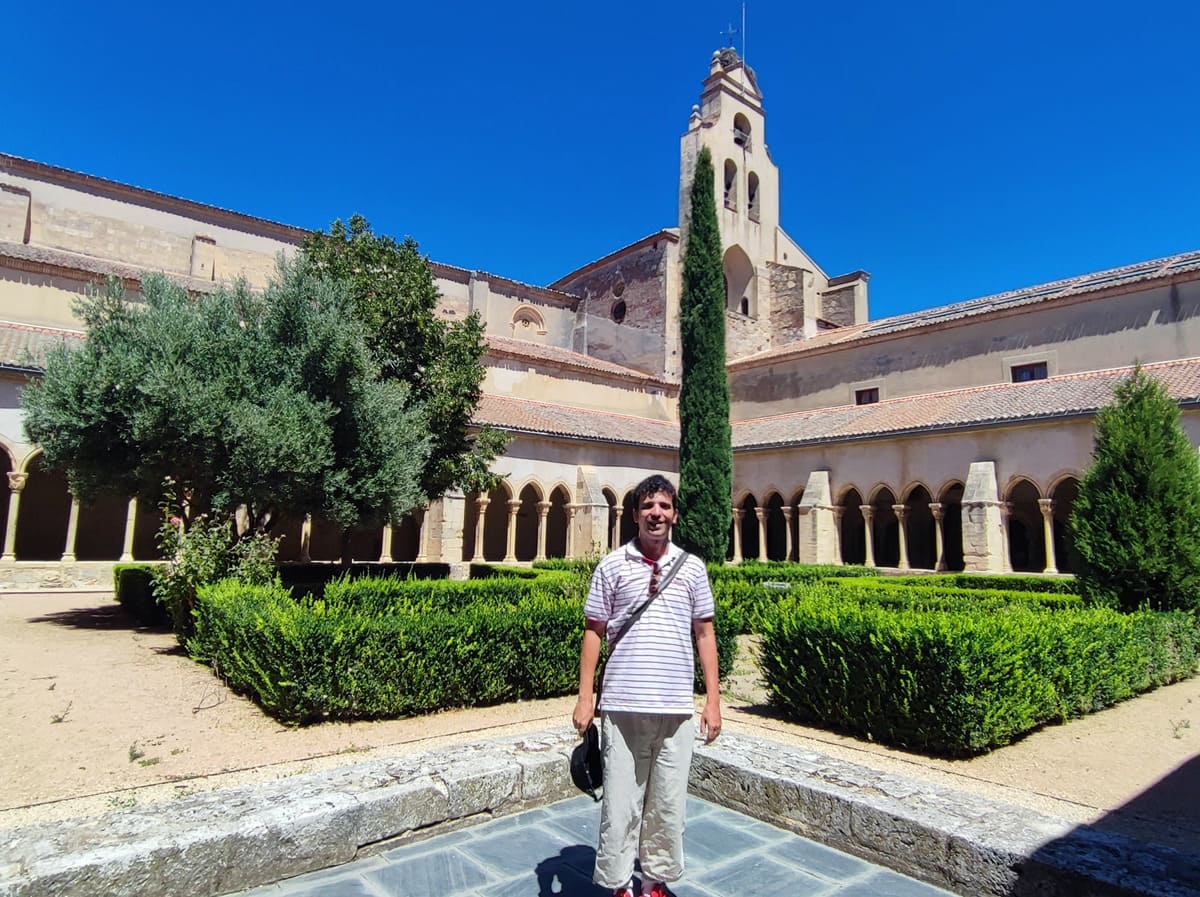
649,486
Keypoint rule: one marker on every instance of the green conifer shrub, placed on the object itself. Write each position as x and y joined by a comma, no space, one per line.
1136,522
705,453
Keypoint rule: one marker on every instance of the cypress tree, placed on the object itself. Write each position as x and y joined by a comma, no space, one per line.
1136,522
705,452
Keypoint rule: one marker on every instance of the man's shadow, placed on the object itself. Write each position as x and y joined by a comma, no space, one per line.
569,874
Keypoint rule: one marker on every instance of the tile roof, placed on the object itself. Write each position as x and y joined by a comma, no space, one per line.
26,345
1142,272
34,257
1002,403
503,346
545,418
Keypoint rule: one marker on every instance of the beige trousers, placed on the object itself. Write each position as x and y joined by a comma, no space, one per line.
647,758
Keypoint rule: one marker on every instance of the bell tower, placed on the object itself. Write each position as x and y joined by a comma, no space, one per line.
775,294
730,121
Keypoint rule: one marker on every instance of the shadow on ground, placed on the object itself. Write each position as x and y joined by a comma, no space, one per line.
1162,818
104,617
568,874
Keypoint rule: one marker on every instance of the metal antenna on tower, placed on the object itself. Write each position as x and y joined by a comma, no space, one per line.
744,32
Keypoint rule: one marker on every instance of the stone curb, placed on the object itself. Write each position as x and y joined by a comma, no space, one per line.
218,842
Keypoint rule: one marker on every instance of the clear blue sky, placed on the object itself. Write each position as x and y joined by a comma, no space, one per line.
952,149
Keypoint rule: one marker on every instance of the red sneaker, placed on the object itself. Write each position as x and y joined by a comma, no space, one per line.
658,889
623,892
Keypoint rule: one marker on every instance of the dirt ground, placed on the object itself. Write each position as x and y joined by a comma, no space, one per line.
100,714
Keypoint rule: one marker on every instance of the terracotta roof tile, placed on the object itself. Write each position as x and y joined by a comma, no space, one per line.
499,346
1068,395
529,416
1127,275
26,345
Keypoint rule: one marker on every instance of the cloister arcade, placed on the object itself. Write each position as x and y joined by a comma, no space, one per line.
914,531
914,527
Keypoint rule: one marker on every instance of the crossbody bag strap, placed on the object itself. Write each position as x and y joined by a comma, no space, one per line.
636,615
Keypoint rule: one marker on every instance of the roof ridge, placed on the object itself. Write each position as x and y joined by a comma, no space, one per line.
39,328
979,389
575,409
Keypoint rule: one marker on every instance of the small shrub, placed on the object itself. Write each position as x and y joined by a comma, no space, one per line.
133,585
205,553
1136,520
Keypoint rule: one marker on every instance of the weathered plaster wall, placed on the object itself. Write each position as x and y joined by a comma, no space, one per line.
1151,325
638,279
528,380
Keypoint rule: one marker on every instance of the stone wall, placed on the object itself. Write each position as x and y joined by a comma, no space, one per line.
622,315
788,289
745,335
837,306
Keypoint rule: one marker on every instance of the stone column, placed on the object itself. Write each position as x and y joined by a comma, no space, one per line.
68,555
482,503
838,511
615,510
815,541
761,514
385,553
1046,506
1005,536
939,534
868,513
423,538
983,539
306,539
130,522
543,509
571,511
447,520
16,482
738,513
514,507
787,528
901,514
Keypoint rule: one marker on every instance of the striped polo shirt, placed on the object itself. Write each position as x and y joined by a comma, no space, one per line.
652,669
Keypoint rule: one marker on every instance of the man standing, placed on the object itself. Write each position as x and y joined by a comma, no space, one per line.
646,700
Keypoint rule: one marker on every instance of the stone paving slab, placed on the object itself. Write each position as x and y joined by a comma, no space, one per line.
217,842
549,852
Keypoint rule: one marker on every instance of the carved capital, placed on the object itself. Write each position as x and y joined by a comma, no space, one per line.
16,481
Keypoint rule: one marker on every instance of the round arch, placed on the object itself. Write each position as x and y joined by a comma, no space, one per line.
741,287
1026,543
950,495
777,527
853,530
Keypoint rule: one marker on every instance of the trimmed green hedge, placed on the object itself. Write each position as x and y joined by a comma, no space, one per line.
962,683
778,571
487,571
386,648
1054,585
133,585
930,594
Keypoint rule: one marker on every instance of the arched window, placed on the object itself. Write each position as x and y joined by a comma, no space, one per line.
741,290
752,196
741,131
527,323
730,184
